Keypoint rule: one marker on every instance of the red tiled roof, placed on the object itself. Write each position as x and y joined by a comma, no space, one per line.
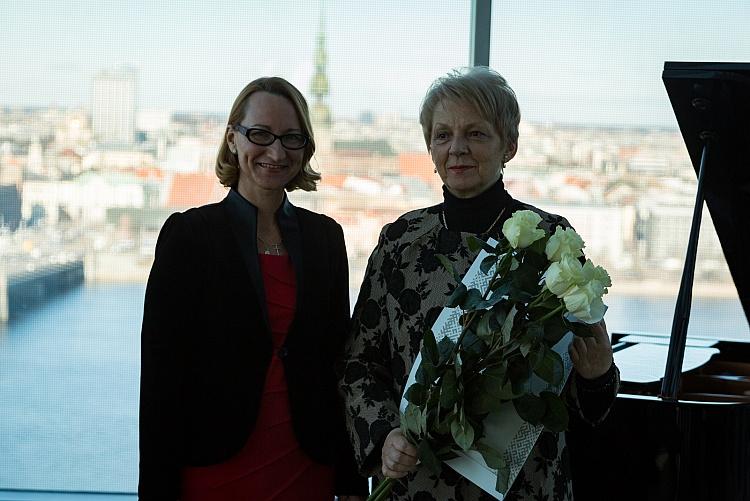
417,165
195,189
335,180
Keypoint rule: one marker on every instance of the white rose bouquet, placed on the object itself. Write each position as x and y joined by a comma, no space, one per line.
539,290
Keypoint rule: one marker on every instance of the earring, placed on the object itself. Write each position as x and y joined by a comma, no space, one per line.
434,169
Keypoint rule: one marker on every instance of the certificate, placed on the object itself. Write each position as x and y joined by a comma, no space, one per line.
504,430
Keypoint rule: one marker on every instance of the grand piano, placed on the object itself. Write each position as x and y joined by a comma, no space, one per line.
685,434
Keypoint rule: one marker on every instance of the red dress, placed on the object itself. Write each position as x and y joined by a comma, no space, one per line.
271,465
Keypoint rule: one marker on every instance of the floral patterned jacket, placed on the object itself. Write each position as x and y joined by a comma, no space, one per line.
404,289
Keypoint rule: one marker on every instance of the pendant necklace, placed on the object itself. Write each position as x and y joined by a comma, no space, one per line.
271,249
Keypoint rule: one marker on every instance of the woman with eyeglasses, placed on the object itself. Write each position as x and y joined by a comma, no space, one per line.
246,312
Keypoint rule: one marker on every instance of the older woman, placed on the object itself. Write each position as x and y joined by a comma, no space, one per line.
470,121
246,311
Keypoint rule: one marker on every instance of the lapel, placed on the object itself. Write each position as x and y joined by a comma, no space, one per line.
291,234
243,219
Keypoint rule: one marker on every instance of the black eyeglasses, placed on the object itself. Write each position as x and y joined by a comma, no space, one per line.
262,137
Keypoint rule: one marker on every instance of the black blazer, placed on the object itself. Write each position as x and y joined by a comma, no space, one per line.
206,343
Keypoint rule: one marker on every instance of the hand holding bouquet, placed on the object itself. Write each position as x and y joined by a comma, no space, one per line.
540,289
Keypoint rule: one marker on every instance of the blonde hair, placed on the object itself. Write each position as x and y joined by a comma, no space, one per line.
227,167
482,87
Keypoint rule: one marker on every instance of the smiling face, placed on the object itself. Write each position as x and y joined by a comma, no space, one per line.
466,149
266,170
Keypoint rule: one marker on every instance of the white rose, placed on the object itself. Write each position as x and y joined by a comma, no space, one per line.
564,274
601,275
564,242
521,229
596,276
585,303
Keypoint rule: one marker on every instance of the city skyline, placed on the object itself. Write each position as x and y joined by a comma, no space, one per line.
559,59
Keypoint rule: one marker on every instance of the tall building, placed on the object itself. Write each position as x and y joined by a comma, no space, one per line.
113,106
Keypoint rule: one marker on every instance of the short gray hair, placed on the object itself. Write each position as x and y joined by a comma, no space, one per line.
482,87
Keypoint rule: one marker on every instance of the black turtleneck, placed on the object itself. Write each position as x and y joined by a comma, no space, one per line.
476,214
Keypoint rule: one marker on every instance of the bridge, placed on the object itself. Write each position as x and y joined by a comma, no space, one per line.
28,280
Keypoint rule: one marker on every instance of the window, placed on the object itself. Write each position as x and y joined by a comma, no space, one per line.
600,145
111,116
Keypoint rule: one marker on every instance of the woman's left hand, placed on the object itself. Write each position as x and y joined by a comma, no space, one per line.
592,356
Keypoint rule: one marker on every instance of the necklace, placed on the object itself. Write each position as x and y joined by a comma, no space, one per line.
492,225
274,249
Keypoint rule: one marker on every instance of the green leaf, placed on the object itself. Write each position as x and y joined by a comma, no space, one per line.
448,265
519,372
554,330
488,391
551,302
474,244
463,434
444,426
472,345
484,332
423,415
502,389
536,260
433,398
536,355
410,419
534,332
507,327
498,372
479,403
428,457
525,348
549,366
501,312
539,246
526,278
496,297
556,415
491,456
530,407
503,265
457,297
416,394
426,373
503,479
518,294
445,348
487,263
429,348
500,292
449,389
471,300
503,393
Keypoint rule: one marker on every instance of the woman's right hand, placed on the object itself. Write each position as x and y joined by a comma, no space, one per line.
399,456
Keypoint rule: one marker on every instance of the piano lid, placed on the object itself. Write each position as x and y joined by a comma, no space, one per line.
712,100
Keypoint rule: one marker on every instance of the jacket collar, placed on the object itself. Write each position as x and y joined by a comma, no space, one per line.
243,219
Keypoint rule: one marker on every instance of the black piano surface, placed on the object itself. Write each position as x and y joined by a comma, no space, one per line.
696,447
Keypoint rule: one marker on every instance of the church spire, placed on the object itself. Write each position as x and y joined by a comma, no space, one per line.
321,114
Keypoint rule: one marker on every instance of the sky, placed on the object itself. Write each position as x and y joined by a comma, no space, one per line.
585,62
